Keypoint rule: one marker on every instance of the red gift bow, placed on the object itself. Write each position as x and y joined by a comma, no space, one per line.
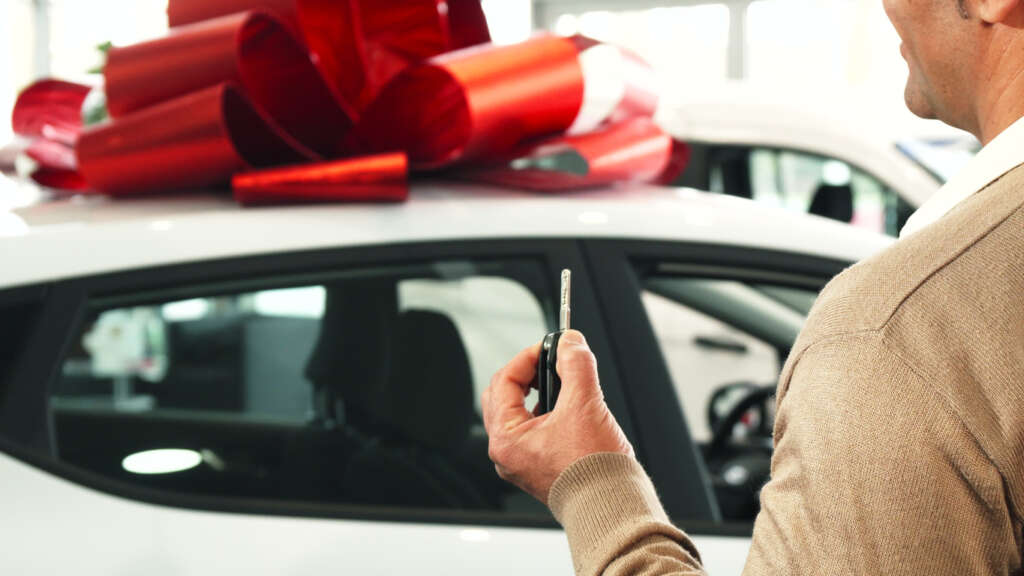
359,45
240,91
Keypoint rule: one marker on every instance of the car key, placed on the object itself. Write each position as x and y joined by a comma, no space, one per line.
548,383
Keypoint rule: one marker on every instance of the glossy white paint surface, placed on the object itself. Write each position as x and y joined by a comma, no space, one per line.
51,526
91,235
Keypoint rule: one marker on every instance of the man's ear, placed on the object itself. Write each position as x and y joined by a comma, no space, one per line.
996,11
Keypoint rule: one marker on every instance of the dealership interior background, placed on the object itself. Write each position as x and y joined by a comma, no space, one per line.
806,47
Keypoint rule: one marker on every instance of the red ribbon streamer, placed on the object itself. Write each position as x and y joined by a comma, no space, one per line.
635,150
381,178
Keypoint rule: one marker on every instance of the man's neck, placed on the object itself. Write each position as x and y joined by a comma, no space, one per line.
1002,101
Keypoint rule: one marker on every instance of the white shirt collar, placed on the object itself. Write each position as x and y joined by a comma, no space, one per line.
1004,153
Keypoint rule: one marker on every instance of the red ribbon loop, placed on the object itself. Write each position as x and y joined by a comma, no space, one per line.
251,49
481,102
50,109
200,139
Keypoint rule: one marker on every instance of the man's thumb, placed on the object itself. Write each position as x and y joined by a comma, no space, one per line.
577,366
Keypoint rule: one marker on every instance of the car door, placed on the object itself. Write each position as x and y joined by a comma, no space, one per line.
299,414
699,330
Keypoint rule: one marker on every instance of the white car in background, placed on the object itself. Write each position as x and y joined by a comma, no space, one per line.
190,388
835,155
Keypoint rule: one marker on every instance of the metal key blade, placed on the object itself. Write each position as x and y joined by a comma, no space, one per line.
564,309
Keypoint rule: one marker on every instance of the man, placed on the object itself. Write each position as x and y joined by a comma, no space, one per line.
899,436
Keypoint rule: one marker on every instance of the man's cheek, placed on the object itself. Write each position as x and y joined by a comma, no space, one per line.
892,11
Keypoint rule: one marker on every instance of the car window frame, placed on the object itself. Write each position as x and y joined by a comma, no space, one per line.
69,302
672,457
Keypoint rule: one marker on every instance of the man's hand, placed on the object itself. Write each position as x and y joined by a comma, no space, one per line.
531,451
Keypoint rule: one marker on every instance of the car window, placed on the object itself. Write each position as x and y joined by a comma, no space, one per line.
362,388
805,182
723,342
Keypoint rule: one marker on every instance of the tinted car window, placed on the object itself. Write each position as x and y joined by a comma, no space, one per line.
359,389
723,342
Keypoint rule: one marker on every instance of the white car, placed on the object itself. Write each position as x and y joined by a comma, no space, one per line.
831,154
191,388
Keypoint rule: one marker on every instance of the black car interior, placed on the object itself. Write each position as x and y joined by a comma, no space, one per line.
390,409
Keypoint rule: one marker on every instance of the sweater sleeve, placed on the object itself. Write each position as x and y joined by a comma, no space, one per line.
615,523
874,473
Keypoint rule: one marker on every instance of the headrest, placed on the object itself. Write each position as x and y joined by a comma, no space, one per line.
351,359
431,381
835,202
393,374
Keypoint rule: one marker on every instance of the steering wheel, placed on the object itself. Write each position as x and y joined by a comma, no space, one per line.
756,397
739,469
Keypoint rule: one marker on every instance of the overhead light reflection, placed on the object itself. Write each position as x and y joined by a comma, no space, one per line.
836,173
593,217
475,535
162,461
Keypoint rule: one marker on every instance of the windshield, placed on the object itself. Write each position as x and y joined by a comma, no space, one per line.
942,158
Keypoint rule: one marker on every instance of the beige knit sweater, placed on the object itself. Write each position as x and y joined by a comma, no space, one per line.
899,437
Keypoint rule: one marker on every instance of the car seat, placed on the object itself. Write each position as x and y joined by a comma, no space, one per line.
413,459
398,387
835,202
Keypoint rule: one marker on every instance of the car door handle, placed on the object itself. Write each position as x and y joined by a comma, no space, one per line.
721,344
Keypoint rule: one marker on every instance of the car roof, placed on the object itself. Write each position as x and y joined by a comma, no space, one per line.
88,235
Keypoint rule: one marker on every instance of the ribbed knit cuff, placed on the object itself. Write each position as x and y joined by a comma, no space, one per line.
607,504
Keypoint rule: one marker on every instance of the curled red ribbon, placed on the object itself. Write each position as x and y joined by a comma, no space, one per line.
634,150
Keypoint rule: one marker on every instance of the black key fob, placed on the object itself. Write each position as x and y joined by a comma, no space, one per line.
548,382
